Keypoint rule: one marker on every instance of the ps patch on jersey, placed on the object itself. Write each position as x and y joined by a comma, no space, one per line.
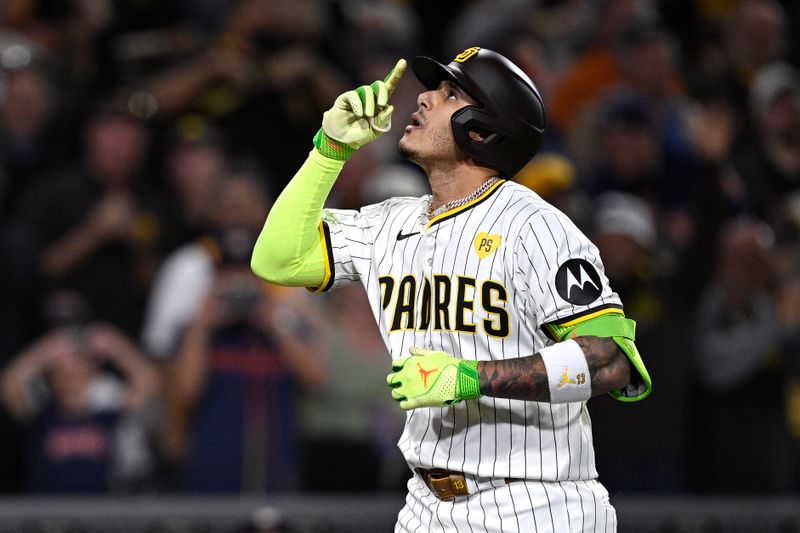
486,244
578,282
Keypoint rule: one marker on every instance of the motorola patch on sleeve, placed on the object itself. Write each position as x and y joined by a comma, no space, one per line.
578,282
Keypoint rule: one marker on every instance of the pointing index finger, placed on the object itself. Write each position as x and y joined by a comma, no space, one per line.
393,78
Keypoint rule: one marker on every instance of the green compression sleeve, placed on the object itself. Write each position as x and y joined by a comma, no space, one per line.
289,250
623,331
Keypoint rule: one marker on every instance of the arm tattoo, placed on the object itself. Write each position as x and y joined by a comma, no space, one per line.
525,378
608,366
519,379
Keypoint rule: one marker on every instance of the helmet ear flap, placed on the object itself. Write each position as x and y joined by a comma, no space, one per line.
475,136
459,122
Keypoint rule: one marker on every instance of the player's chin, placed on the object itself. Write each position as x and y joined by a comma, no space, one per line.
404,146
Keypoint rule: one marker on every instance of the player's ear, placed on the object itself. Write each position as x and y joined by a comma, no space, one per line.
477,135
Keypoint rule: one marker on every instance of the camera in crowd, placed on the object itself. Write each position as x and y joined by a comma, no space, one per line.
241,291
240,296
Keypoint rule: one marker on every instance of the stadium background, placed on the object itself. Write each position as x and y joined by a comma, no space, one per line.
141,142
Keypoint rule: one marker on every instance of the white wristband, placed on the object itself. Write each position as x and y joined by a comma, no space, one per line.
567,372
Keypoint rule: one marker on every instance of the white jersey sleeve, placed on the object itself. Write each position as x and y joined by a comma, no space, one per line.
346,239
355,239
559,270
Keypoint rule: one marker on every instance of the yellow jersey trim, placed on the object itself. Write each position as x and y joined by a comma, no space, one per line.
590,316
469,205
324,239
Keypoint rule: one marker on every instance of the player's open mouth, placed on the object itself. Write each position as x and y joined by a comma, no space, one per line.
416,122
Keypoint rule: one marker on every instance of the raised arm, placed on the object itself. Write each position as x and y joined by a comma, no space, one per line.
107,344
289,250
16,379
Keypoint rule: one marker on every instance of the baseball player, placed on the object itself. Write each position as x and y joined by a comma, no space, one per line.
494,306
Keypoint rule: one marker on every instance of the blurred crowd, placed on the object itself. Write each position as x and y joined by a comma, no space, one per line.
141,145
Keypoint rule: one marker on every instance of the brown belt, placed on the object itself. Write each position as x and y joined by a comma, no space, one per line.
446,484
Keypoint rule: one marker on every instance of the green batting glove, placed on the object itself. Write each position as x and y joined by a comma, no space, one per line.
433,379
358,117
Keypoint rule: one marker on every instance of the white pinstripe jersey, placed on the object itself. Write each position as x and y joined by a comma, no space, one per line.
480,282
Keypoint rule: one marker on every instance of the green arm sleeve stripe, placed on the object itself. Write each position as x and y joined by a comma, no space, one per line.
623,331
290,250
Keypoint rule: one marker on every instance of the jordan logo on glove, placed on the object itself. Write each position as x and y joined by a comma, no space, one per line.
457,379
424,374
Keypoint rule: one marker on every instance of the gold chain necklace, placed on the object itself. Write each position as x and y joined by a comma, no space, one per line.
461,201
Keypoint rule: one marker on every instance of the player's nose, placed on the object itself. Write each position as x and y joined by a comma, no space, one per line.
424,99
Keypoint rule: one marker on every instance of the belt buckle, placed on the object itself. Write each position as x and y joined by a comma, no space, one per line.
444,484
